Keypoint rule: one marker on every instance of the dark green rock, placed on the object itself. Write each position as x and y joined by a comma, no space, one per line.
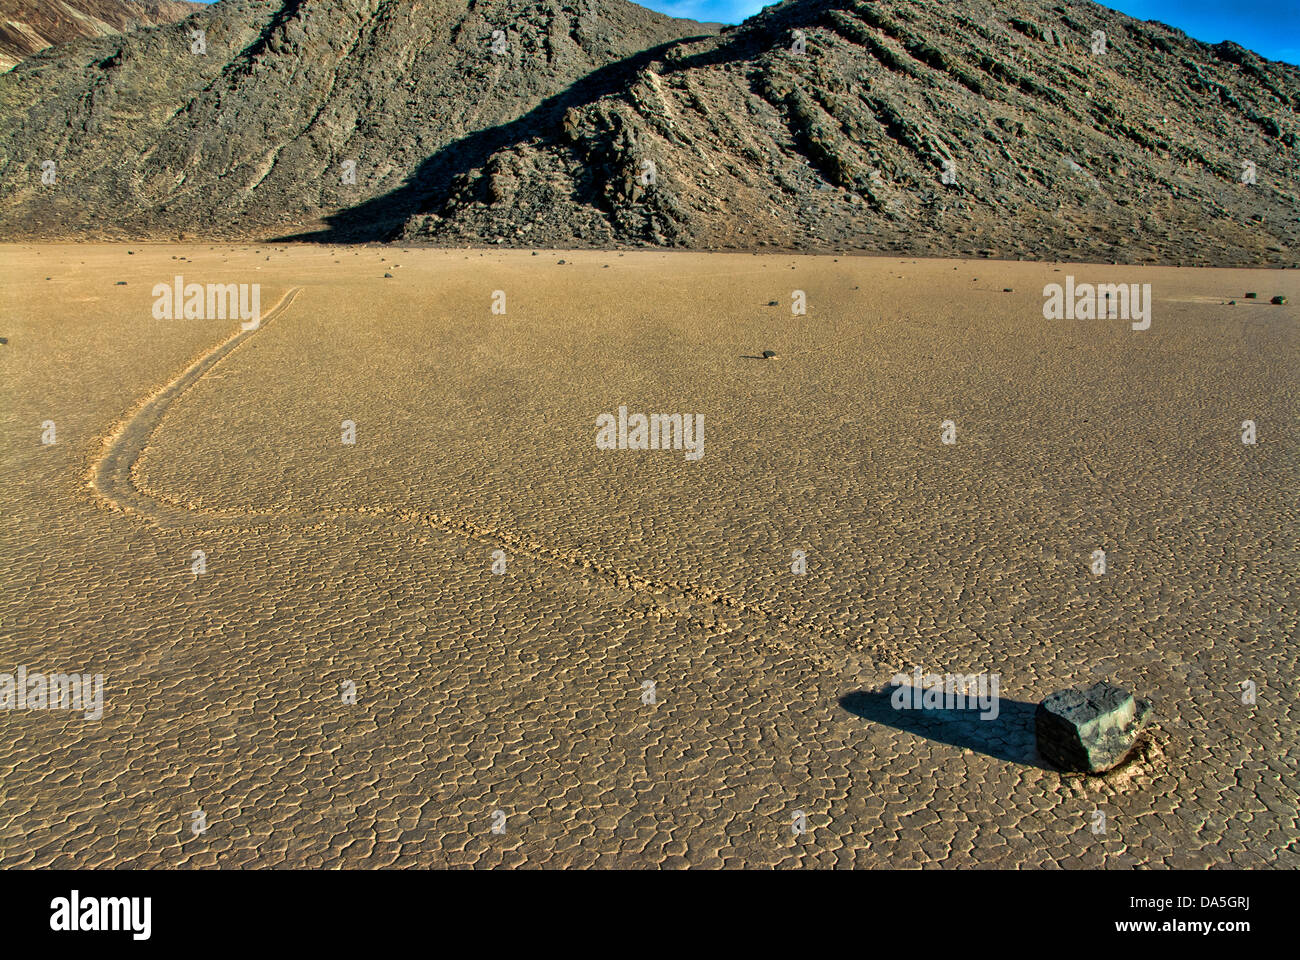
1089,730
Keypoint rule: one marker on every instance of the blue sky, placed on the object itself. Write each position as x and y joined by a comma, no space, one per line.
1269,27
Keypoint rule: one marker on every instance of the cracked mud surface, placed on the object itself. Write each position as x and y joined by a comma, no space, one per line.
371,563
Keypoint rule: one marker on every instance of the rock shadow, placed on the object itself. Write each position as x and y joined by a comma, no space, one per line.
1009,736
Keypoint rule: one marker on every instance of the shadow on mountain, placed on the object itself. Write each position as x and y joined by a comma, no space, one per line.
381,218
1009,736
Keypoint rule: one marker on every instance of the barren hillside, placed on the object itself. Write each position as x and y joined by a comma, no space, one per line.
27,26
1017,129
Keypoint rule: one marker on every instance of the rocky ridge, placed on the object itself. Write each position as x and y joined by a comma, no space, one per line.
1012,129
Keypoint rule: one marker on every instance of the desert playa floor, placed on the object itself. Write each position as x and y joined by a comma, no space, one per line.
332,566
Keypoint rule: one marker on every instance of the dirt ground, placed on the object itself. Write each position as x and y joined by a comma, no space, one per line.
347,681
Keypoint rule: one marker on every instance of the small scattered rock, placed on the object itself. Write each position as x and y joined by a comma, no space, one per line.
561,261
1009,290
1089,730
1279,300
121,283
388,276
1251,296
769,354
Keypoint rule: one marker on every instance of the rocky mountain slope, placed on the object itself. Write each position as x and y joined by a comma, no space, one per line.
27,26
923,126
289,104
932,126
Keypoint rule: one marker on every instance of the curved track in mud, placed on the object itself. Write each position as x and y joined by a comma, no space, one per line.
113,478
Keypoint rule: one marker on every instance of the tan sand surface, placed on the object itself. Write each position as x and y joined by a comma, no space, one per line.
371,563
